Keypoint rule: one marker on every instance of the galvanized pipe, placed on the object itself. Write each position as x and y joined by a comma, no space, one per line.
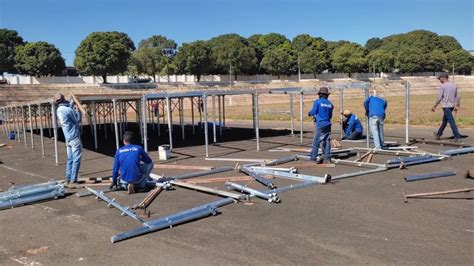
114,104
460,151
408,159
40,114
170,123
204,173
292,118
31,127
301,118
258,177
257,121
34,198
206,126
144,123
19,193
55,131
429,176
270,197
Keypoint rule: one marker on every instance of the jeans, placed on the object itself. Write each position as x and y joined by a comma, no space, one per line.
74,155
144,182
355,135
322,136
449,118
376,127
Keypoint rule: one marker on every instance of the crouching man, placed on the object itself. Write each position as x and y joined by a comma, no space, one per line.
352,126
134,176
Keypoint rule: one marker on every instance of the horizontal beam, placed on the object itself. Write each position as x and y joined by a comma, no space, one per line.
208,190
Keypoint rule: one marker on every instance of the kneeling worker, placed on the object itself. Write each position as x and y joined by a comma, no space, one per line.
134,176
352,126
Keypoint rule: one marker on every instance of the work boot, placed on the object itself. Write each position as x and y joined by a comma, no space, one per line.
457,140
437,137
131,188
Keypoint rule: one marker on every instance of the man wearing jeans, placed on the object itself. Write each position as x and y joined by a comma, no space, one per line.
134,176
375,108
322,113
451,101
70,123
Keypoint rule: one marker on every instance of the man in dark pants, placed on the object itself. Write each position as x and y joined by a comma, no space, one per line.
322,113
451,101
352,126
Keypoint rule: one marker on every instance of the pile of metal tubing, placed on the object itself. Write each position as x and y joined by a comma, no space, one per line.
18,196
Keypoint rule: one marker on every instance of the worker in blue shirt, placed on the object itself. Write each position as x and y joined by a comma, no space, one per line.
322,114
352,126
375,108
134,176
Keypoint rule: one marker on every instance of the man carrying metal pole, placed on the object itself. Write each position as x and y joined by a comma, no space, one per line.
70,123
322,114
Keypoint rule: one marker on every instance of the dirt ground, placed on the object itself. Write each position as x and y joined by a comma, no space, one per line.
359,220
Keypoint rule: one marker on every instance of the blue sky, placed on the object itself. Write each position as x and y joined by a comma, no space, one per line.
66,22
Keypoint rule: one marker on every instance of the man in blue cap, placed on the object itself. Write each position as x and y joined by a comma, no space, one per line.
322,114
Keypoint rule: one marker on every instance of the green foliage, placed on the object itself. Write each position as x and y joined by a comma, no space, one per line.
382,60
372,44
153,54
9,40
38,59
104,53
348,58
436,61
313,53
449,43
411,59
234,50
194,58
462,60
280,60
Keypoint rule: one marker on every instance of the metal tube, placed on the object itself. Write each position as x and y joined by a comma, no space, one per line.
367,122
408,159
34,198
19,193
258,177
358,173
429,175
55,131
23,117
181,116
112,202
144,123
281,160
31,127
214,118
94,123
301,118
206,129
204,173
289,175
421,161
270,197
460,151
192,115
158,127
407,111
341,109
114,103
257,122
174,219
223,111
40,114
220,114
208,190
170,123
292,118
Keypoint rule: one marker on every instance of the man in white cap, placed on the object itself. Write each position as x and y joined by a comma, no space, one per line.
70,123
352,126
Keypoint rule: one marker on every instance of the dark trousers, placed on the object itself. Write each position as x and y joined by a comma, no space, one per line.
354,136
449,118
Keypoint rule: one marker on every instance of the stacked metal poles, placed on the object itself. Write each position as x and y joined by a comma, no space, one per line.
31,193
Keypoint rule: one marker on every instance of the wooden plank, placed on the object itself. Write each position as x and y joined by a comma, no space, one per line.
363,156
369,159
182,167
78,104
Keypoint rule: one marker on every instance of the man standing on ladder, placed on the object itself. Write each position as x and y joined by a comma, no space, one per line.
449,96
375,108
322,114
70,123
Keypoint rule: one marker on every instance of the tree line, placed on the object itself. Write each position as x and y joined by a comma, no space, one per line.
113,53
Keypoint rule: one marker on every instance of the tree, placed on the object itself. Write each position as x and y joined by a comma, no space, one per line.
436,61
194,58
280,60
253,42
462,60
348,58
382,60
153,54
38,59
372,44
9,40
302,42
312,52
104,53
232,51
410,59
449,43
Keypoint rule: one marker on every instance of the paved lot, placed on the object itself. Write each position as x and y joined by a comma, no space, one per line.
360,220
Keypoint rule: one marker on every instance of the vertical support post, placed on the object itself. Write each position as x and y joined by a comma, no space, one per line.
181,116
139,116
223,111
158,127
40,114
55,131
206,128
407,112
144,123
23,117
292,115
220,114
192,115
257,130
214,119
367,118
49,120
30,116
170,123
94,124
301,118
114,103
341,109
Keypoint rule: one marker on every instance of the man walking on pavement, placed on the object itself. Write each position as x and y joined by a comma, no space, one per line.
451,101
134,176
70,123
322,114
375,108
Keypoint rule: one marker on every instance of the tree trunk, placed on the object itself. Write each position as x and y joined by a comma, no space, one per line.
104,79
198,77
154,78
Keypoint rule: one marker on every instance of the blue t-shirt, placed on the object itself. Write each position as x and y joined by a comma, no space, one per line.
127,160
353,125
322,111
375,106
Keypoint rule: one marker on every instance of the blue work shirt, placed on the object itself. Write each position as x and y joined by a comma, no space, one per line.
322,112
70,121
353,125
127,160
375,106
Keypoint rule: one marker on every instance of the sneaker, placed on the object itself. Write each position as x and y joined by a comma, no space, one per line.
131,188
456,140
437,137
73,185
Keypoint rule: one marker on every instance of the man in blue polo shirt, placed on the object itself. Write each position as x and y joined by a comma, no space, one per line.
134,176
352,126
322,114
375,108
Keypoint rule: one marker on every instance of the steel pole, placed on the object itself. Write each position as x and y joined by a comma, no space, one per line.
192,115
144,123
114,103
301,118
31,127
94,123
407,112
292,115
55,131
23,117
367,120
40,114
257,122
170,125
206,129
341,109
214,134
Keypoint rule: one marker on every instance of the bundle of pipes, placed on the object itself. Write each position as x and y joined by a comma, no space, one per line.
18,196
458,151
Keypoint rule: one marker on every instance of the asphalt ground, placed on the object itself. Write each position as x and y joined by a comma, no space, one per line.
359,220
